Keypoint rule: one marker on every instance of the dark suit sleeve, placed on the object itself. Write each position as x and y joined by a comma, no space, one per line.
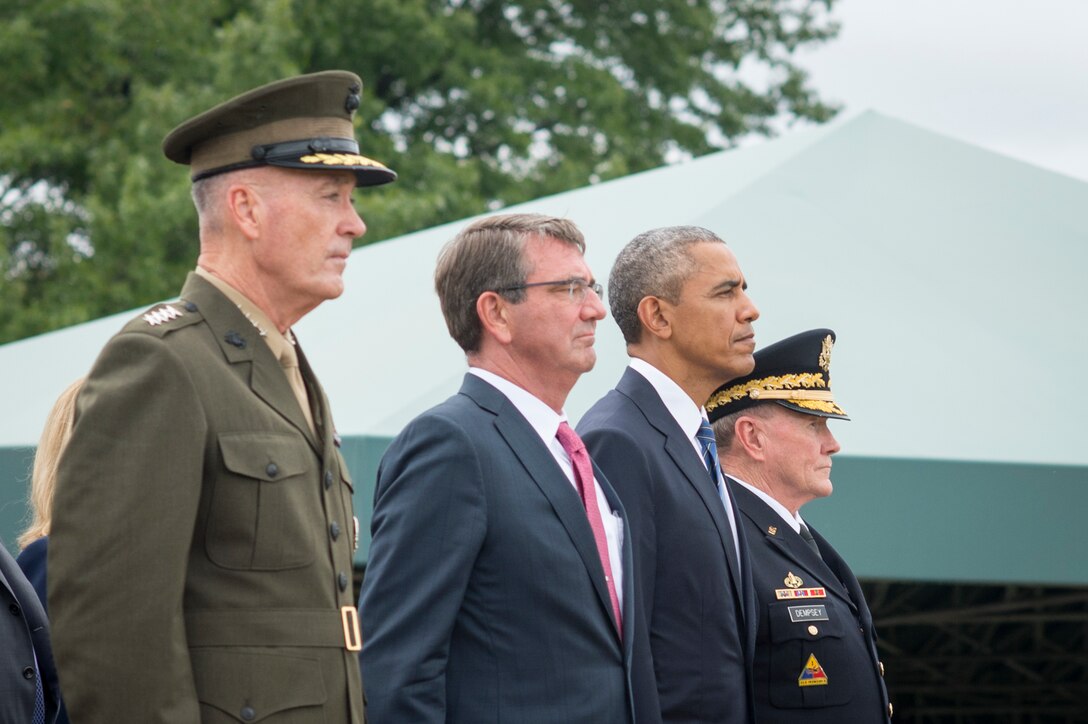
627,468
429,523
126,502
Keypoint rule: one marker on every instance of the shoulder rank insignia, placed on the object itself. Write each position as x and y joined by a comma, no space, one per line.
813,674
165,313
792,580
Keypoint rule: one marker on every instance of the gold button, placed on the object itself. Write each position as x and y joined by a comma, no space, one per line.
890,710
813,630
881,665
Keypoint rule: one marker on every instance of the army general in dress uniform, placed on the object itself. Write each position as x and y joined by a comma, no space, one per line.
815,657
201,552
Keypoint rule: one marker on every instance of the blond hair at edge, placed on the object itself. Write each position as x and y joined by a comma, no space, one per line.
43,480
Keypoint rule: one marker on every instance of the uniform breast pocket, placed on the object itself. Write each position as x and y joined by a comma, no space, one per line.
808,664
264,503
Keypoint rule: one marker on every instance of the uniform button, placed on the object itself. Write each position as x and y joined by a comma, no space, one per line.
14,608
813,630
328,479
334,530
891,711
342,580
28,672
247,713
190,307
881,665
272,470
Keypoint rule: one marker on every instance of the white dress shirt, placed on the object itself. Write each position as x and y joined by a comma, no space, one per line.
546,421
689,417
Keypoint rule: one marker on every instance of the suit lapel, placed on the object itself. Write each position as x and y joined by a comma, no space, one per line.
789,544
546,474
841,572
626,560
682,452
241,344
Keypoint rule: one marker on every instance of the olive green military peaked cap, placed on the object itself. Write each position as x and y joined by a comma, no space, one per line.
302,122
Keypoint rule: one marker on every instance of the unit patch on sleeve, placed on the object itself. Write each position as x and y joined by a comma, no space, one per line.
813,674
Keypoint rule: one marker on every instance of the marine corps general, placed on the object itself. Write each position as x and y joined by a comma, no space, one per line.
201,551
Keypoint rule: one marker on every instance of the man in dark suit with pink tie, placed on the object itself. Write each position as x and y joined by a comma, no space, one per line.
499,586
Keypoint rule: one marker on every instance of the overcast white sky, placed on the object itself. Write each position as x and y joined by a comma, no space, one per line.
1006,75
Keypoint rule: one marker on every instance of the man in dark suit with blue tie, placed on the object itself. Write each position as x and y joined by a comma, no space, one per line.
28,678
499,586
816,660
678,296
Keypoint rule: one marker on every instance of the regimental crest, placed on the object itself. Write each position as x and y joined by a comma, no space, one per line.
813,674
162,314
792,580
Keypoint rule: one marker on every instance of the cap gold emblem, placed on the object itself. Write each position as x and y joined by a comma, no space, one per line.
825,354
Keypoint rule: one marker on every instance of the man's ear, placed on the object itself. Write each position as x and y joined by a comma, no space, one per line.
245,209
654,313
750,435
493,311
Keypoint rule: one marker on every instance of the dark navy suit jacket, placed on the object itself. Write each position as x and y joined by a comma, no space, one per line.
32,561
698,611
484,599
844,642
24,636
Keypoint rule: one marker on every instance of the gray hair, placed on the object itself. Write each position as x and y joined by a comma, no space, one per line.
488,255
207,196
725,428
655,263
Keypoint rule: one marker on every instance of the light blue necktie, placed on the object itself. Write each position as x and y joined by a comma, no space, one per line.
705,436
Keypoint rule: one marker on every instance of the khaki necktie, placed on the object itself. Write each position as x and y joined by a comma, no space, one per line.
289,362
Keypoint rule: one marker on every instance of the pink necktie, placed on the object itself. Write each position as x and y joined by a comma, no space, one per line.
583,476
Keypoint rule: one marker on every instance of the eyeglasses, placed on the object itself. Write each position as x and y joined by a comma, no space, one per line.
577,289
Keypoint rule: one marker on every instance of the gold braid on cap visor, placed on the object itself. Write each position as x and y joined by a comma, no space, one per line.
781,387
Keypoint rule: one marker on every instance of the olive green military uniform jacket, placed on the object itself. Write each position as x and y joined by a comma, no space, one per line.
201,551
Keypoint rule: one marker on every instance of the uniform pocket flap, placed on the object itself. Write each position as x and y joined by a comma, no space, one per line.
267,456
252,687
812,620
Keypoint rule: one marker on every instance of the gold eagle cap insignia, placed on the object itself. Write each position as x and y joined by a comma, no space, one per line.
792,580
825,354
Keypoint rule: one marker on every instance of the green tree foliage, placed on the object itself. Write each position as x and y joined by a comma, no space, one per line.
476,103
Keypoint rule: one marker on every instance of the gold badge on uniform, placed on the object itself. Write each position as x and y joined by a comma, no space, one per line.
813,674
772,529
792,580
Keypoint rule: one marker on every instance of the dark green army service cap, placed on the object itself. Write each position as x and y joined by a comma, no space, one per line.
302,122
794,372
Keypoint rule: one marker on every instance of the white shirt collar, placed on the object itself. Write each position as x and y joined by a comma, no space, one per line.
542,418
687,415
794,521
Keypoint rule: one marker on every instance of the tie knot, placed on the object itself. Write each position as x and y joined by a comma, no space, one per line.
705,434
569,439
288,357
